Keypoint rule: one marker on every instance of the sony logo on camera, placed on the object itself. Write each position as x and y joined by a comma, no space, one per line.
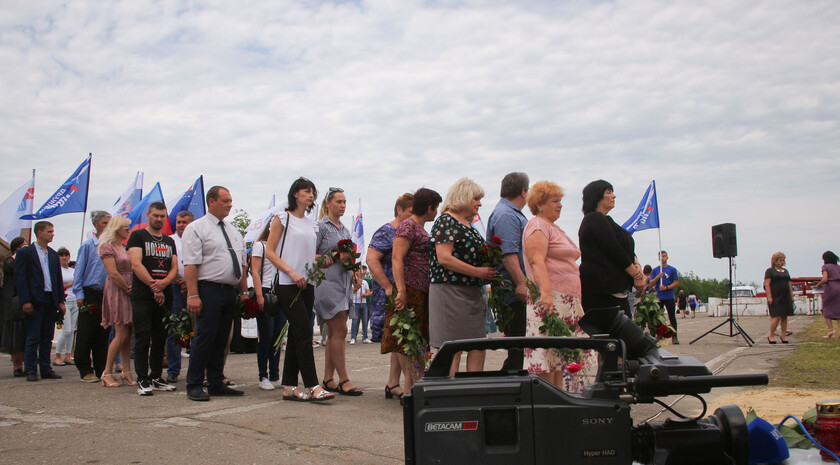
597,421
451,426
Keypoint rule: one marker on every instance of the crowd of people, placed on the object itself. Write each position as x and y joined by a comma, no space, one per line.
126,285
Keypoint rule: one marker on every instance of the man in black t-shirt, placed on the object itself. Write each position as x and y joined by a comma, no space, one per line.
155,266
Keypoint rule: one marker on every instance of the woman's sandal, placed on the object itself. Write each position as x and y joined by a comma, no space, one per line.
391,395
326,384
829,335
350,392
109,383
295,394
770,341
321,395
128,379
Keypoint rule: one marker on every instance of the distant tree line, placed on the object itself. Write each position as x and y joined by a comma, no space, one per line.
703,288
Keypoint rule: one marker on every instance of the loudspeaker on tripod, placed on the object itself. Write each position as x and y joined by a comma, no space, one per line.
724,242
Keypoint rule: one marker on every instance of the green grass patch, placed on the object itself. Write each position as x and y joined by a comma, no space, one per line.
814,364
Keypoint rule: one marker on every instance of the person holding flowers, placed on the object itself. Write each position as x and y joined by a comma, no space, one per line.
550,263
291,249
116,300
268,327
410,260
456,309
334,296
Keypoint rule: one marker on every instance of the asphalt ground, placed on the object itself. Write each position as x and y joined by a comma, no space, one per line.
66,421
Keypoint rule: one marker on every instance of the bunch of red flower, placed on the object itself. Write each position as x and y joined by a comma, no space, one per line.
88,308
665,331
491,252
347,246
250,308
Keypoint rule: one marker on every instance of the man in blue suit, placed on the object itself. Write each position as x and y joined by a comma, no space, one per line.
41,293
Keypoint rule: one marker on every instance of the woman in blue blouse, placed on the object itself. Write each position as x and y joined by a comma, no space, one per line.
456,309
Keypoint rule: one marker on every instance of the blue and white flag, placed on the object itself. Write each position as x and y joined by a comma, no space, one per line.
19,203
646,215
357,235
71,197
192,201
130,198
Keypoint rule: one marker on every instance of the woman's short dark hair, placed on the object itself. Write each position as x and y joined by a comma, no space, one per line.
646,270
593,193
424,199
63,252
830,258
301,183
16,243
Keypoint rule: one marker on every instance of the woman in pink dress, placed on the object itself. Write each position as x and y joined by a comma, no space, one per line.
116,303
831,298
550,262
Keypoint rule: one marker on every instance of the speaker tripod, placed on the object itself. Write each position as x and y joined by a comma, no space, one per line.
734,328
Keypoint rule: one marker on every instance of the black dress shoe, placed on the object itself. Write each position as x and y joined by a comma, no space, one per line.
31,377
225,391
50,375
18,373
197,393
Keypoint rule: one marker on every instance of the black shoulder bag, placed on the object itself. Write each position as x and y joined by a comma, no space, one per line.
271,305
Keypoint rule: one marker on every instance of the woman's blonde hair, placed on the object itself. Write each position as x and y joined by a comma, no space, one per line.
460,195
328,198
109,235
540,193
775,257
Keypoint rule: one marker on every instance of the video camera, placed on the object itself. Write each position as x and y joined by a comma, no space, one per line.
507,417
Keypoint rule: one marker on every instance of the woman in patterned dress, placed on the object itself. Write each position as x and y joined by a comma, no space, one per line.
410,260
456,309
550,262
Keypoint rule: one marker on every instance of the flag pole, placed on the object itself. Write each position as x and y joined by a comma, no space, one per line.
87,192
33,202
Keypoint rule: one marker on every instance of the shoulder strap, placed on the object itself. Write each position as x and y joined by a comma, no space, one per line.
282,245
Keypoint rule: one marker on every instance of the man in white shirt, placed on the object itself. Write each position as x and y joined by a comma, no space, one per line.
214,268
361,291
179,289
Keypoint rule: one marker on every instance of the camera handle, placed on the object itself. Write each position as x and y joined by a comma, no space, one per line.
610,350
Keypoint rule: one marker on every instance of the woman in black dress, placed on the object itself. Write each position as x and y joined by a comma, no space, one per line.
779,296
12,324
609,268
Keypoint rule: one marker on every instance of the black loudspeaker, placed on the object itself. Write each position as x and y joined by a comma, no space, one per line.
724,243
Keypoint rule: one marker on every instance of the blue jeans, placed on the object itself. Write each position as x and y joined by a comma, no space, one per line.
40,329
361,313
173,350
268,330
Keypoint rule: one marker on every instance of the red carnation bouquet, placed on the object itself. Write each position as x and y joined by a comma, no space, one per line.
347,246
180,327
248,308
651,316
88,307
490,255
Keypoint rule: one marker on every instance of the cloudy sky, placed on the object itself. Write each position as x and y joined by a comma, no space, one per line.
733,107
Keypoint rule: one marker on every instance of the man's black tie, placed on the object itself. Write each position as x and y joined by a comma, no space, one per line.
237,271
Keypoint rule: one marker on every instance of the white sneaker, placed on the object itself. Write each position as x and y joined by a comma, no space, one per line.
266,385
352,341
277,384
367,341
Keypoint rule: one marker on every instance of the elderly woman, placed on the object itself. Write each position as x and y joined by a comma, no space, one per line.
411,278
550,262
116,303
334,297
831,298
456,309
779,296
609,268
379,260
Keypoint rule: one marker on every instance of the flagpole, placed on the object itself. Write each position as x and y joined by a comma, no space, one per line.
87,192
33,202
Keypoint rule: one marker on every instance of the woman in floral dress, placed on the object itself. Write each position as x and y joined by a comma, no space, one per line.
550,262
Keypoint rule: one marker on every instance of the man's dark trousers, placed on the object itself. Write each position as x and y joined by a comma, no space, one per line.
516,357
173,350
40,329
147,317
207,348
91,337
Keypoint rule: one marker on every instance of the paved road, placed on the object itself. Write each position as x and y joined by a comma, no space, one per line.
65,421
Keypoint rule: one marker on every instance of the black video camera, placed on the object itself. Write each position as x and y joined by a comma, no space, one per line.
507,417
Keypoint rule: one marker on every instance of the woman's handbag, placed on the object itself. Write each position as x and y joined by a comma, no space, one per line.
271,305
